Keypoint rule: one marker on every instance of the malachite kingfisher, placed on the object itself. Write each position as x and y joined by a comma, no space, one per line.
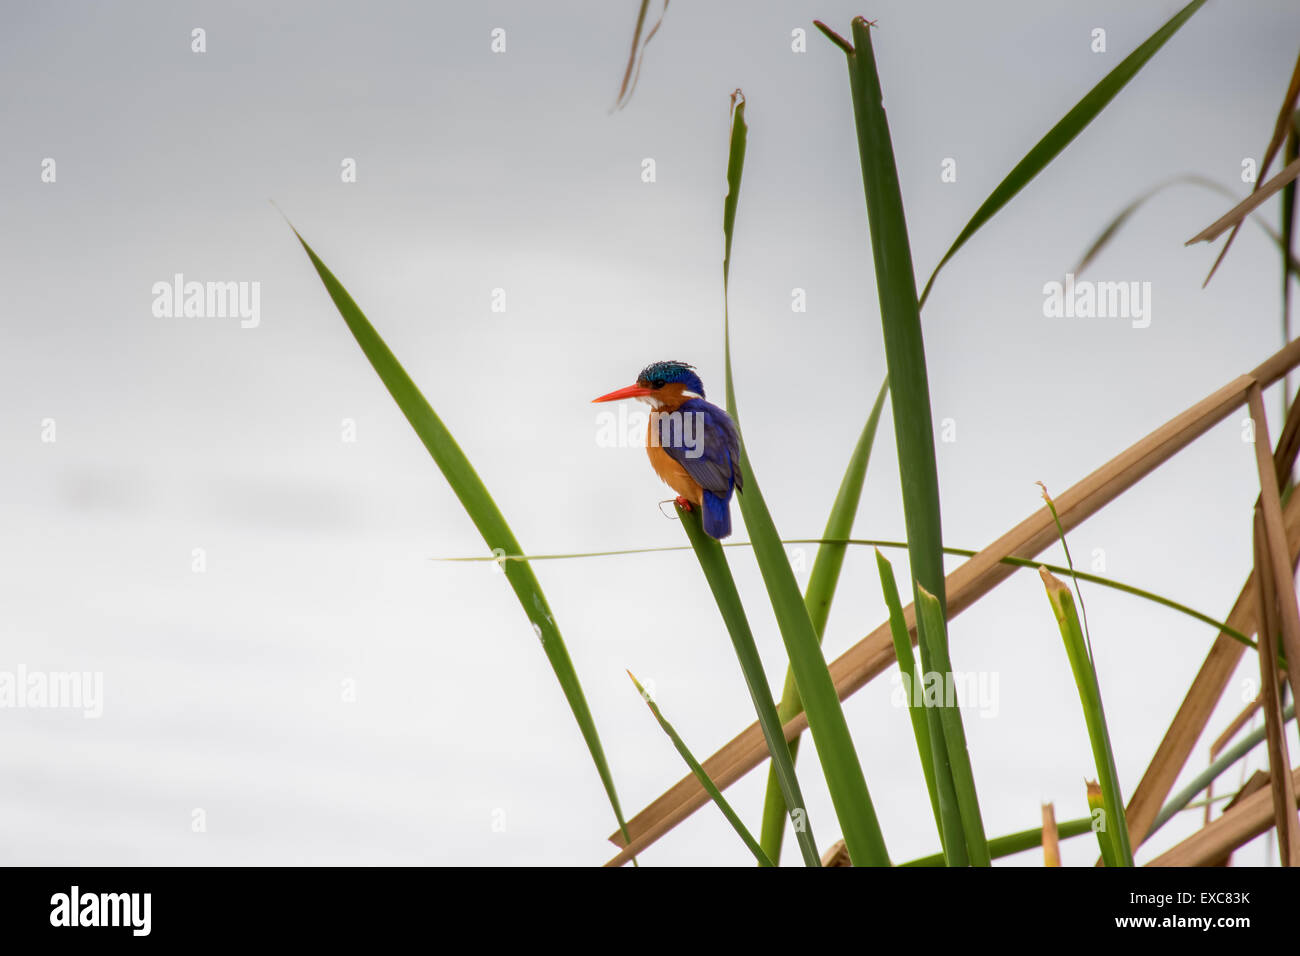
693,444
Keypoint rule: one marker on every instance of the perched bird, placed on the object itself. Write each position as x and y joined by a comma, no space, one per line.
693,444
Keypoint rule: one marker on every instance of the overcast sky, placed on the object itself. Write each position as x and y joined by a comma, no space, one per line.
201,532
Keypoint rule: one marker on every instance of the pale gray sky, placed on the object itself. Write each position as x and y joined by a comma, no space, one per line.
477,171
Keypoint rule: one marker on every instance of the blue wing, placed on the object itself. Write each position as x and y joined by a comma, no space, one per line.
703,438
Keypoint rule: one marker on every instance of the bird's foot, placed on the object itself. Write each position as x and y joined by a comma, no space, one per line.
680,502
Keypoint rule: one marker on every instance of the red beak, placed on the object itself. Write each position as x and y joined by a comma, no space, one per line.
632,391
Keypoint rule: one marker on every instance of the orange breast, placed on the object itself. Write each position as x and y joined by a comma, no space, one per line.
671,471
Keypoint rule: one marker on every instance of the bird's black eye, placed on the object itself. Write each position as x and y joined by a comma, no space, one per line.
657,383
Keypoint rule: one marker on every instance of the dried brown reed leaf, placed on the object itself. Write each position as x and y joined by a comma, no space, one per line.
1274,144
1279,760
1234,216
1274,539
1220,664
1225,738
1234,728
837,855
1258,781
1251,817
1051,839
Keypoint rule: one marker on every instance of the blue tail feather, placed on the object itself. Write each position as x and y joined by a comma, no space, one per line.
716,514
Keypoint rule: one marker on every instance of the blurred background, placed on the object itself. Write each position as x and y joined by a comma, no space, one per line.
324,692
